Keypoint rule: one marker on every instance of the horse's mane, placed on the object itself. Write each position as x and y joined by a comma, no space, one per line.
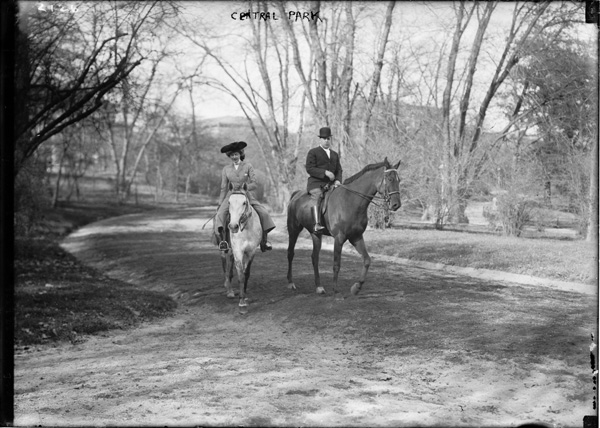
366,169
237,189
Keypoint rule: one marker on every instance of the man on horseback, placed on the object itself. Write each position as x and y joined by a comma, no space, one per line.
323,167
238,173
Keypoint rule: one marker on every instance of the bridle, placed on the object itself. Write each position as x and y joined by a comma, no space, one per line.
387,196
247,211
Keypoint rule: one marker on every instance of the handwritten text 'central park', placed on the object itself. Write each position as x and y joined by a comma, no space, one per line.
292,15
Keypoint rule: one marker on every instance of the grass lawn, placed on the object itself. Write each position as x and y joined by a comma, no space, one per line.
567,260
57,299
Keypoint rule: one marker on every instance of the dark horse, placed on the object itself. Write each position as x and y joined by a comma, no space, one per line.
345,217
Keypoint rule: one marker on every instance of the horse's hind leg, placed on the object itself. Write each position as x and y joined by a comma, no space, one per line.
360,246
293,232
338,243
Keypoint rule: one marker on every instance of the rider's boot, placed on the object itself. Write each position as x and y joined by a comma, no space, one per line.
223,245
315,213
264,244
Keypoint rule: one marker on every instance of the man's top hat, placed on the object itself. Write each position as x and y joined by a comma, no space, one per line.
325,132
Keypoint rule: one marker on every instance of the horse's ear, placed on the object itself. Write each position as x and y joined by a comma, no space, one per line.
245,187
386,162
398,164
230,185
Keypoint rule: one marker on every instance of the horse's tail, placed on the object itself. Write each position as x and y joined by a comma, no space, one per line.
289,205
291,217
294,193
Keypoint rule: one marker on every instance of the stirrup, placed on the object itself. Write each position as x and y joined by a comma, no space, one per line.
224,246
318,228
265,246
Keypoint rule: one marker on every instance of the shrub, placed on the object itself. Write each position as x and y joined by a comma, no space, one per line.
509,213
379,217
31,196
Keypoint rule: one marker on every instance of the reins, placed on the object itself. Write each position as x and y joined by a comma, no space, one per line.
385,198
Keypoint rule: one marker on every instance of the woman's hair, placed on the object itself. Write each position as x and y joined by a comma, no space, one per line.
241,152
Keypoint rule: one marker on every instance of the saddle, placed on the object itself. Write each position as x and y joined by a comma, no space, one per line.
325,198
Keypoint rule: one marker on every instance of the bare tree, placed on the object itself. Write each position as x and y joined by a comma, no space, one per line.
264,101
137,105
65,74
464,154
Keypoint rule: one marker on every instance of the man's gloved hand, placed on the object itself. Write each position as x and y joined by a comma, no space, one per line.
330,175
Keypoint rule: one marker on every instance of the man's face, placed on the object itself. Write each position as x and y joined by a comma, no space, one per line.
326,142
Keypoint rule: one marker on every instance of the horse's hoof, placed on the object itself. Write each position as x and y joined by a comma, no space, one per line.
355,289
292,286
243,306
230,294
320,290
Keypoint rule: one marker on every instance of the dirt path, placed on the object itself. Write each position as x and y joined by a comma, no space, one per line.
414,348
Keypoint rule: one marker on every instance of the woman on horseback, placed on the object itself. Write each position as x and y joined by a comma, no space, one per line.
238,173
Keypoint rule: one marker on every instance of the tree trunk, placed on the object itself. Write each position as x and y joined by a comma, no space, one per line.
187,186
58,177
115,155
446,199
321,63
592,232
346,78
377,76
548,193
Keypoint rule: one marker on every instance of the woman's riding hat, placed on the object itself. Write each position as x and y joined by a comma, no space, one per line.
325,133
236,146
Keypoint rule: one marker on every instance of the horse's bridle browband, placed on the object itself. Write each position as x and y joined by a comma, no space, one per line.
386,197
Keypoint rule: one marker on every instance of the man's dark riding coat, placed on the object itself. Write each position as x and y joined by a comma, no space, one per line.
317,162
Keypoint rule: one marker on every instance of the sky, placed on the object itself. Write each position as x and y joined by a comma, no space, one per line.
422,22
223,17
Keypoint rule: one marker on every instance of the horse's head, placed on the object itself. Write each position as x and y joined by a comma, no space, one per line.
239,207
390,185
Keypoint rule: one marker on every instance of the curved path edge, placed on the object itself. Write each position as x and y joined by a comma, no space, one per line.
279,241
488,274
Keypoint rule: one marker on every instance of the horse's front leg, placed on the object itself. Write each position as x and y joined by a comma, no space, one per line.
338,243
227,261
360,246
247,273
240,266
315,261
